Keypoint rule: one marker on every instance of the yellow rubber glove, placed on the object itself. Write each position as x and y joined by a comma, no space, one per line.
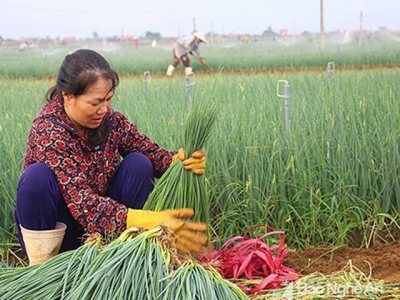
196,163
189,236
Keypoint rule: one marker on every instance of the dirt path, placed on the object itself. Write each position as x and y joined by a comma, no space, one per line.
180,73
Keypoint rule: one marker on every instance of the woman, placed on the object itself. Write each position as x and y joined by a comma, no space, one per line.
183,47
73,171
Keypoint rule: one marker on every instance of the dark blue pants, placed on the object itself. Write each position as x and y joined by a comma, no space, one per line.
39,203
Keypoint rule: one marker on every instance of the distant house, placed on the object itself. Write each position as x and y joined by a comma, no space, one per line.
69,39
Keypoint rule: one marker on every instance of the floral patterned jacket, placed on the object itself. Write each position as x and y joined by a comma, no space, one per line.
83,172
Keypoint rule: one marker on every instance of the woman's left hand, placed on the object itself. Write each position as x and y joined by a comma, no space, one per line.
196,163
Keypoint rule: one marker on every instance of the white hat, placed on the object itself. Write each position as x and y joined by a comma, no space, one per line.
200,36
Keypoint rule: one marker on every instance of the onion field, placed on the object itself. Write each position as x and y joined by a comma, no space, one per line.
323,165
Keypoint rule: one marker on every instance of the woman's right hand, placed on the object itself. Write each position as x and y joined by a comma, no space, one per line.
189,236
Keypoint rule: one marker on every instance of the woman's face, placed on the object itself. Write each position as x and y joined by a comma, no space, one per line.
88,110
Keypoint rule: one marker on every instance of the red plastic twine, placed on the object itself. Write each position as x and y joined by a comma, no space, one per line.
253,259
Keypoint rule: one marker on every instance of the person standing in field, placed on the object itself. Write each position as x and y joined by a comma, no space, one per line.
135,41
88,169
183,47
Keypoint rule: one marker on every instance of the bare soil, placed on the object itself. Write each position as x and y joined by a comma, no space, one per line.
381,261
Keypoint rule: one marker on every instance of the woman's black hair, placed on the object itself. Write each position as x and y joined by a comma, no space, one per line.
78,72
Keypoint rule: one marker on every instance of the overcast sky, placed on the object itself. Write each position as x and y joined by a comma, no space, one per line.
81,18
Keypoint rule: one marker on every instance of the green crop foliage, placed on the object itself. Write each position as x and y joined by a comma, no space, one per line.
259,56
336,174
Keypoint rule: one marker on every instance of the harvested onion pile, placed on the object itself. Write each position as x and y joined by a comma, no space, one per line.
137,265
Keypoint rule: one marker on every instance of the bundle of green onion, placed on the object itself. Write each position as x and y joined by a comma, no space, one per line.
178,188
130,267
49,280
192,281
